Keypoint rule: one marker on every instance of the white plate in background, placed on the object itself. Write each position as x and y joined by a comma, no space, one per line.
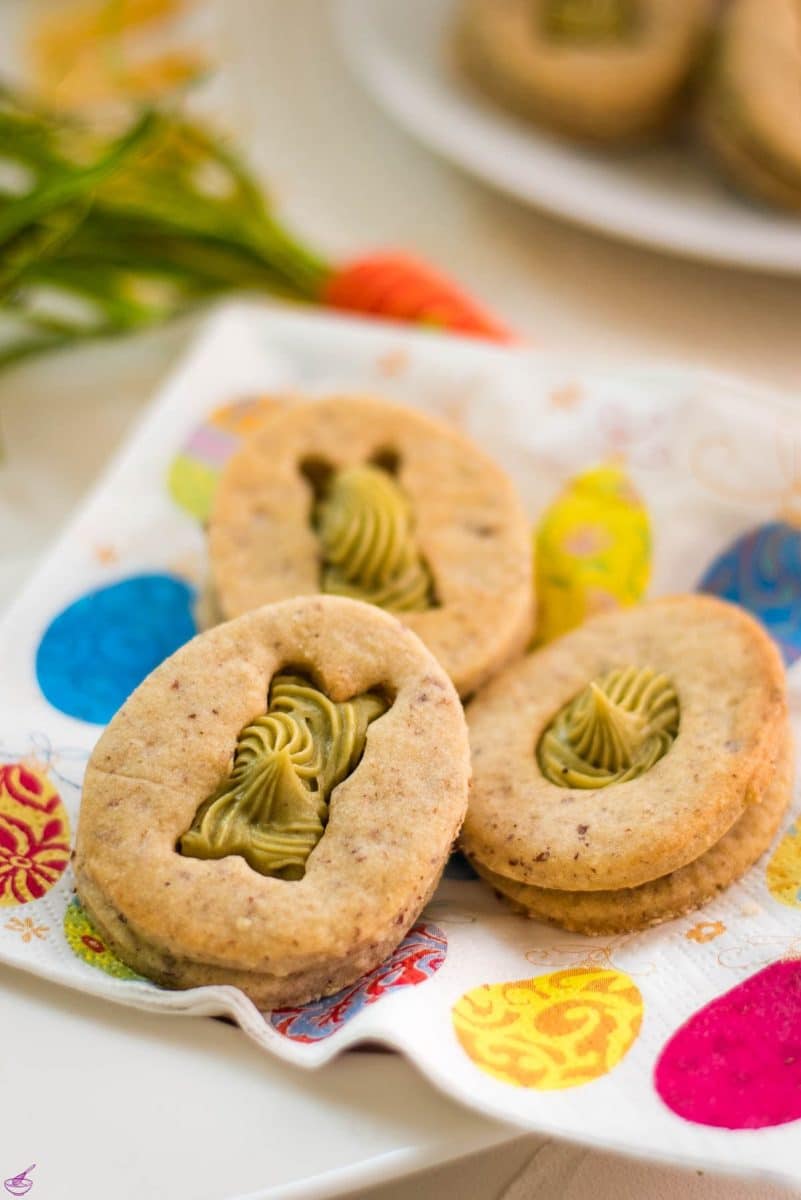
662,197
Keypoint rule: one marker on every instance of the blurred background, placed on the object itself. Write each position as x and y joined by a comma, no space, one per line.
345,177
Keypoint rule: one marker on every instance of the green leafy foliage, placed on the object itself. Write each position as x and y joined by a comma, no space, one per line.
107,233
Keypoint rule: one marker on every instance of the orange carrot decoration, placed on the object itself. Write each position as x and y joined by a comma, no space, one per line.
131,227
403,288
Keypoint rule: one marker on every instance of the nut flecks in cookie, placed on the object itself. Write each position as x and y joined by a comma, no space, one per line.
553,1031
672,895
616,729
273,807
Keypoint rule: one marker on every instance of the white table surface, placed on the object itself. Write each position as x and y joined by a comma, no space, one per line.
110,1102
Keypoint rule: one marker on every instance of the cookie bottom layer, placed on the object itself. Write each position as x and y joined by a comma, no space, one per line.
628,909
267,991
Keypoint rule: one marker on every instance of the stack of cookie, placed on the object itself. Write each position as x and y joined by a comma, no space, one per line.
633,769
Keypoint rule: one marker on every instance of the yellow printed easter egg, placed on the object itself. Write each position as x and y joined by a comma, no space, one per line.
87,944
784,869
592,551
34,834
193,473
553,1031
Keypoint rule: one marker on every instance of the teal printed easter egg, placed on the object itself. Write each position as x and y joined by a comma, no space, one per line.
761,571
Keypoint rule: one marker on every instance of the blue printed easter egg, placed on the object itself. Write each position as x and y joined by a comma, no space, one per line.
592,551
101,647
761,571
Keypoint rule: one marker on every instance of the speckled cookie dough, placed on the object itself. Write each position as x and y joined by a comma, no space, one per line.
719,755
673,895
358,496
363,845
605,70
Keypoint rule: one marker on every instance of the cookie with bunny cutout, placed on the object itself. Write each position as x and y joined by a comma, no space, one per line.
275,804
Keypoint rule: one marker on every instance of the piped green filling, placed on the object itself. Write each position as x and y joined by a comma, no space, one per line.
366,529
590,20
616,729
273,807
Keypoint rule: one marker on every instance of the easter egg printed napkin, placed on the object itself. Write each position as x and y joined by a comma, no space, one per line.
680,1042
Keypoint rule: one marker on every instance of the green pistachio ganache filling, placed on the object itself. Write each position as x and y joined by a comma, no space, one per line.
589,20
366,529
613,731
273,807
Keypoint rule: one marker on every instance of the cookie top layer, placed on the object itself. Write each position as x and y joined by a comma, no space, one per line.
269,532
391,820
729,680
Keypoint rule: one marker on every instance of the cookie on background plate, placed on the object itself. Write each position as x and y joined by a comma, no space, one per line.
597,70
751,113
358,497
274,805
622,753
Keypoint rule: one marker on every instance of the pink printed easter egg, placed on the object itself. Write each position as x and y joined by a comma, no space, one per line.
736,1063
